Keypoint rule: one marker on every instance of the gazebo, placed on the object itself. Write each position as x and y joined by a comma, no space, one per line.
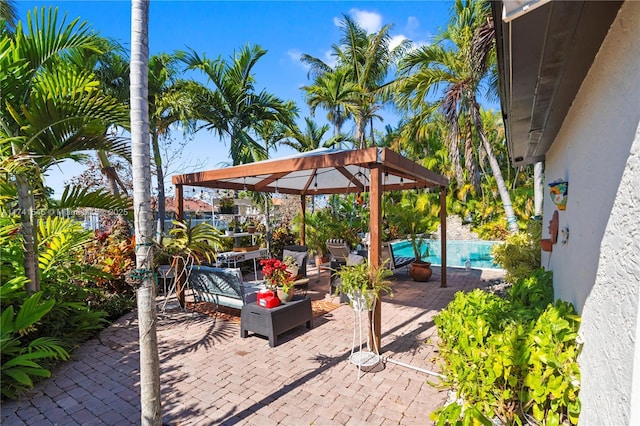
329,171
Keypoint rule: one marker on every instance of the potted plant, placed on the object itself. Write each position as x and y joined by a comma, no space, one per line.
411,216
363,284
420,270
250,227
226,205
292,265
187,245
278,278
318,231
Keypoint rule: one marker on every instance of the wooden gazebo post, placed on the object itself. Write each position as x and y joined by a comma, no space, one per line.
303,209
179,203
443,236
375,224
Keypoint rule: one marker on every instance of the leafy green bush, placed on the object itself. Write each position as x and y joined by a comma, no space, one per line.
512,358
20,352
282,236
494,231
520,254
113,305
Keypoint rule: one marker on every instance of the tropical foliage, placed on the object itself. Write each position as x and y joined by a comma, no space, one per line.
520,253
52,109
458,63
414,216
65,90
510,360
233,107
21,358
354,86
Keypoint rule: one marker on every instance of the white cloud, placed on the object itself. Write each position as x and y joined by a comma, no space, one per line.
294,55
412,24
396,40
329,59
371,22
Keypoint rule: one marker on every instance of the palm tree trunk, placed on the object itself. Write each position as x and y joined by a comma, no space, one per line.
150,401
512,222
113,181
373,141
109,172
470,162
29,236
537,188
361,123
453,147
157,159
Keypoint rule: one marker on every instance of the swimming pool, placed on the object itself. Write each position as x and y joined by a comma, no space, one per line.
478,252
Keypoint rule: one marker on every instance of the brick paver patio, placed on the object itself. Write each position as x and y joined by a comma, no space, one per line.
211,376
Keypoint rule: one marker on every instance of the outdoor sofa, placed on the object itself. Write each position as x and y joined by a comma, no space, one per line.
222,286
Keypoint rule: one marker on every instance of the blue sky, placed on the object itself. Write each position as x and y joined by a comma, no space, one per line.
285,29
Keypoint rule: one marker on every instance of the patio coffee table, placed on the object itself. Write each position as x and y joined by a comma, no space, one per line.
272,322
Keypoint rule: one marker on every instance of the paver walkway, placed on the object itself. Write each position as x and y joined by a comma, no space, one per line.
211,376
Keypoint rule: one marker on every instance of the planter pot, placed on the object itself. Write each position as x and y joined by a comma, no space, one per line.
284,297
321,259
546,244
293,270
226,210
420,271
362,301
559,191
251,229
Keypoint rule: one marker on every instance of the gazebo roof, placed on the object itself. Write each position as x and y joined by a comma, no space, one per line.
321,171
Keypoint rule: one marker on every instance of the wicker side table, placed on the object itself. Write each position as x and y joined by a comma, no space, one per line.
275,321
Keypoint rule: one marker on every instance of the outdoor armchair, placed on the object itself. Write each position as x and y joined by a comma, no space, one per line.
222,286
392,261
339,251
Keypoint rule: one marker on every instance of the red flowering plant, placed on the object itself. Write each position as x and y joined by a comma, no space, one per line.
276,274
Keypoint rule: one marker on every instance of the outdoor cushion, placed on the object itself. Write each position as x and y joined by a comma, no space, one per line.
222,286
298,256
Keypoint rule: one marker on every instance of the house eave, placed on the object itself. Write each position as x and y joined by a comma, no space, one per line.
544,54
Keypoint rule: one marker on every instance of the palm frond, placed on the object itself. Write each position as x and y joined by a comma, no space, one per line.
75,197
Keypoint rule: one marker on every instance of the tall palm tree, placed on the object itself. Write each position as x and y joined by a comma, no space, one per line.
51,110
311,137
367,59
9,14
171,101
333,91
151,413
233,107
458,63
111,68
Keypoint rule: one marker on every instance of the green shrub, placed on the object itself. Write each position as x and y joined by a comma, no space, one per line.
520,254
113,305
510,359
21,353
282,236
534,291
493,231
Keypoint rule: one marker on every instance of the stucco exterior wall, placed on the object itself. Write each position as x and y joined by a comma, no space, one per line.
598,152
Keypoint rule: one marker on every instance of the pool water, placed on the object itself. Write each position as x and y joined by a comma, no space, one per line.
477,252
